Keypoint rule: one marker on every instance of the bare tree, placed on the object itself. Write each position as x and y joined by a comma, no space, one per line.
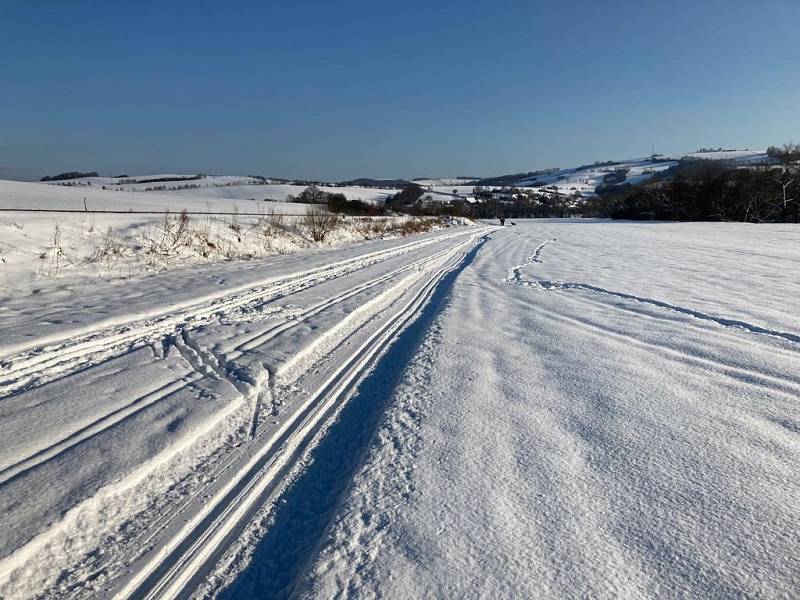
786,176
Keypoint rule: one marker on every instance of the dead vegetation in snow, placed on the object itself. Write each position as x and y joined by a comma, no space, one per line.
40,251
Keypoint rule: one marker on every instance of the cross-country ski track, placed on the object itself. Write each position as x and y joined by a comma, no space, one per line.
309,336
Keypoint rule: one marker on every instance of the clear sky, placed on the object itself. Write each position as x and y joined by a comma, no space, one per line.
335,90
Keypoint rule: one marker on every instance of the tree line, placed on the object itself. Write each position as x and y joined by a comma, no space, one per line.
69,175
336,202
706,190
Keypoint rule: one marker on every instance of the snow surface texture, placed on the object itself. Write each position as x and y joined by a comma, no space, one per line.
145,417
563,409
604,410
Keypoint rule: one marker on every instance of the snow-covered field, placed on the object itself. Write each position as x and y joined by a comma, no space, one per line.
217,187
555,409
46,249
281,192
602,410
17,194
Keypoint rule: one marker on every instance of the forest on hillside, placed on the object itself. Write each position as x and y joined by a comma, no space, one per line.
707,190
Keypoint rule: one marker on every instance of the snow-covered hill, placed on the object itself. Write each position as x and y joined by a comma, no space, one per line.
227,187
567,181
158,182
16,194
281,191
585,179
746,156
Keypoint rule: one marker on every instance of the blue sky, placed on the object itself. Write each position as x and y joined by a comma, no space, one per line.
336,90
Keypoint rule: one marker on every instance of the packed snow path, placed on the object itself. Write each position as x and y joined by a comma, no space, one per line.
145,423
634,434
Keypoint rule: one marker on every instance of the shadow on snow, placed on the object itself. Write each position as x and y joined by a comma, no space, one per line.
306,509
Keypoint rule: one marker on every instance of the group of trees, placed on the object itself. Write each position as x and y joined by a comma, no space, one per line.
518,204
335,202
522,206
411,200
703,190
338,203
786,154
311,195
407,197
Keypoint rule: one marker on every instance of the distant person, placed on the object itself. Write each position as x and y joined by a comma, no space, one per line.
502,221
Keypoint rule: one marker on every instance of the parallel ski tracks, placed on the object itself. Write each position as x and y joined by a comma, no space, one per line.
106,421
260,467
274,443
37,366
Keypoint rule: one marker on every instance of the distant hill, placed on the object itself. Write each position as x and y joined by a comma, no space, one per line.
382,183
585,179
68,175
513,179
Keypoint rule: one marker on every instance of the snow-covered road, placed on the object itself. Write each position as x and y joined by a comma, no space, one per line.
603,410
145,424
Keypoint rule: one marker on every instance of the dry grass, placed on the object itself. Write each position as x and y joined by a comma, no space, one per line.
176,239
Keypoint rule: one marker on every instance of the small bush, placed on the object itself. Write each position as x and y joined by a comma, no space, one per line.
319,223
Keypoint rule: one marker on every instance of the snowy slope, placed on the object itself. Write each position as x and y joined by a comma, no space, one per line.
16,194
745,156
281,192
638,170
140,183
444,182
585,181
218,187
